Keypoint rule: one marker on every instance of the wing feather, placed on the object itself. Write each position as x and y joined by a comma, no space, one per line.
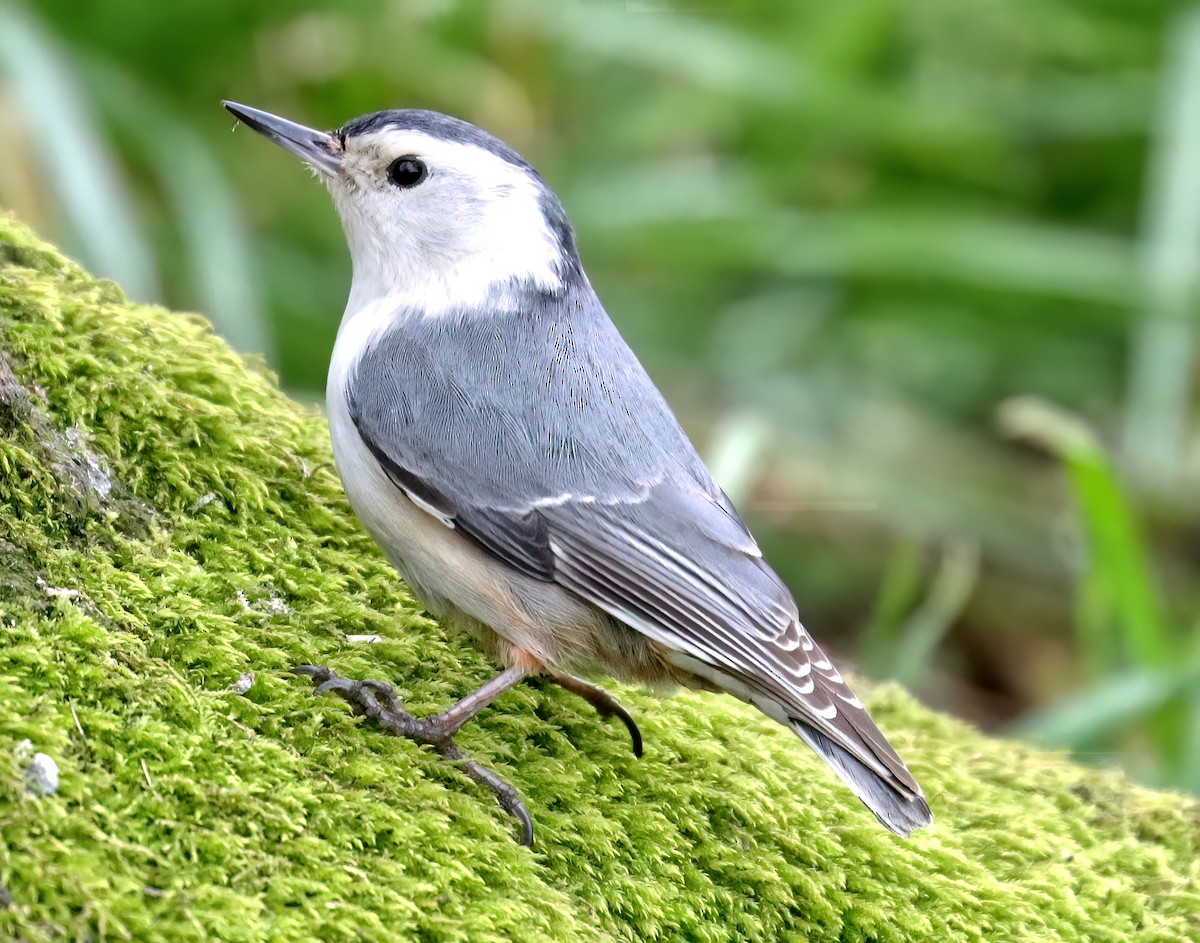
686,608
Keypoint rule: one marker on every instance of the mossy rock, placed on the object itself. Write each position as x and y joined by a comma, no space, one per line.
171,522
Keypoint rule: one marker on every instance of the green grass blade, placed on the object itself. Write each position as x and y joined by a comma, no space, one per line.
736,453
1117,567
898,594
1161,370
1090,718
927,626
1120,609
79,168
220,255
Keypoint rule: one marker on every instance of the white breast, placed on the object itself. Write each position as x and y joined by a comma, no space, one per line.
446,571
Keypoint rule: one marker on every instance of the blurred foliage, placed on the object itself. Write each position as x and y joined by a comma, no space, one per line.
840,235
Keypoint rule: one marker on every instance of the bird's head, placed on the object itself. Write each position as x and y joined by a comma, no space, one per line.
433,207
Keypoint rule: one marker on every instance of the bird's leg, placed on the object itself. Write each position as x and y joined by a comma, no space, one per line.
606,705
381,703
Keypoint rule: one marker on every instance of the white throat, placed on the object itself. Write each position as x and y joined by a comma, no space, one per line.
487,277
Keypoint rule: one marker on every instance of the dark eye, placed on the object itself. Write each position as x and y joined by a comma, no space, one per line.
406,172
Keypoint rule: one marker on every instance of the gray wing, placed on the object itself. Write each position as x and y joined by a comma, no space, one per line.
543,440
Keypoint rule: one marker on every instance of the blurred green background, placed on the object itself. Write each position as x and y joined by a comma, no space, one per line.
920,277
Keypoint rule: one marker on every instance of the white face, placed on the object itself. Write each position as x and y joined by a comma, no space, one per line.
437,224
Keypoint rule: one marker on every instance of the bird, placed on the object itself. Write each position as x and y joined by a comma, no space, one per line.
501,442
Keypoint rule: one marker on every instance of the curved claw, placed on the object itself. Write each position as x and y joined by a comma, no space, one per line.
336,684
506,795
631,725
378,687
517,810
613,708
312,671
384,692
605,704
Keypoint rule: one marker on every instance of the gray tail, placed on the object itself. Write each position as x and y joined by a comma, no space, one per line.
898,805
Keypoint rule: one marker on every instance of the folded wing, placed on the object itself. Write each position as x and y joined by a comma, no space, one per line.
572,469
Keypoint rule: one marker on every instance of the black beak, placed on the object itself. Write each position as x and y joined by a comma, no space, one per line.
321,149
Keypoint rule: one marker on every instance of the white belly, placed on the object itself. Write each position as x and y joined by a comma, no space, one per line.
455,578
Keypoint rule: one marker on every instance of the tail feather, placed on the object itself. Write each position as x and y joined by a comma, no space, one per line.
892,801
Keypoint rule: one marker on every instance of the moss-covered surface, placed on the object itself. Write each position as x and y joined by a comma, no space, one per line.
170,521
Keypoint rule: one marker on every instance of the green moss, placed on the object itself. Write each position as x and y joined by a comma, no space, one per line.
171,521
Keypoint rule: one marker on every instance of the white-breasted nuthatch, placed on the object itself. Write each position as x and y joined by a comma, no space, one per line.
504,446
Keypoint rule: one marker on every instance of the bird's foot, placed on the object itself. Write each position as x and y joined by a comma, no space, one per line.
605,704
380,702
